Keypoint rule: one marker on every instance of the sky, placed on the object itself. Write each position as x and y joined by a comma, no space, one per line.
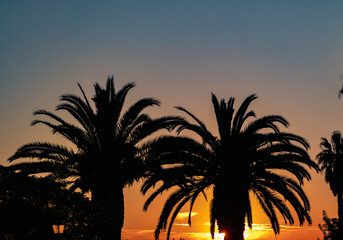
290,53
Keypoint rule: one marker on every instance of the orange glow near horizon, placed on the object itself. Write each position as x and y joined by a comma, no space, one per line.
259,232
200,227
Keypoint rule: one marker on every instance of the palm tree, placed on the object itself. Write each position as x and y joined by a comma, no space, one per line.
330,160
244,160
105,155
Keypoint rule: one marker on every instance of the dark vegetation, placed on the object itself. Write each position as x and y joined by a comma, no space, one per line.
30,205
330,160
329,228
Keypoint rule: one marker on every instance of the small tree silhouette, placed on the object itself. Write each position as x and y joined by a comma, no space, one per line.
330,160
329,228
30,205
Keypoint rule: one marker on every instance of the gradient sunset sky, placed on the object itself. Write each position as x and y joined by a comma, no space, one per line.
290,53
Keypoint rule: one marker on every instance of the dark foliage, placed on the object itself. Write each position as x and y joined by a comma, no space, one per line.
30,205
330,160
329,228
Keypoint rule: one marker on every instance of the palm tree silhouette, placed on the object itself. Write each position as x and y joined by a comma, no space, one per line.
105,156
243,161
330,160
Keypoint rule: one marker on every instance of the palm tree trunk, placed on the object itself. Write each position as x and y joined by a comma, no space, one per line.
340,215
232,199
108,212
232,221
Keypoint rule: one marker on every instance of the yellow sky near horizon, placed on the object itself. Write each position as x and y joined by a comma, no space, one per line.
259,232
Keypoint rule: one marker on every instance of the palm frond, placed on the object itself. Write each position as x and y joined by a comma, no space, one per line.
133,112
213,209
201,124
265,123
224,114
240,114
42,151
249,214
79,109
269,211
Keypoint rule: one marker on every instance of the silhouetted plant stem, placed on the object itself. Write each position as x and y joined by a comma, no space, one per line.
108,210
232,196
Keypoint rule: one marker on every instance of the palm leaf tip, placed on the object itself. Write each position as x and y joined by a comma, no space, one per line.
84,95
253,96
12,158
340,92
214,100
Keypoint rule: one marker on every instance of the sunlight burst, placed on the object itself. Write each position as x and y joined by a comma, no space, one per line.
219,236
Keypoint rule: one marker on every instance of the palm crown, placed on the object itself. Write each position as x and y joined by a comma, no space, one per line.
244,159
330,160
105,139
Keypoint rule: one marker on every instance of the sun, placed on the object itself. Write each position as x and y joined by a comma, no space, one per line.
219,236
